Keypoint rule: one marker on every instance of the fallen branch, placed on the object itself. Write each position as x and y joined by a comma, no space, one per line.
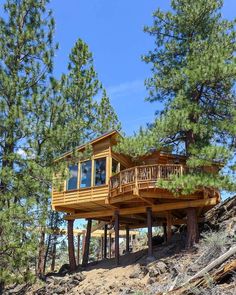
213,264
203,281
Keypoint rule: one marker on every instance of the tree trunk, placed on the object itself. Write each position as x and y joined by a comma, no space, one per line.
192,228
54,251
71,247
46,252
41,255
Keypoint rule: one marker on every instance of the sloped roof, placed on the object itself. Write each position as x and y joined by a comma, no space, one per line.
93,141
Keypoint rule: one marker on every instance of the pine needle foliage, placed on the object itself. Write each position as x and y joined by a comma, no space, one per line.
193,70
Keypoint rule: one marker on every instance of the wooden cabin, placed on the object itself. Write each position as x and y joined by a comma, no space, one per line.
112,188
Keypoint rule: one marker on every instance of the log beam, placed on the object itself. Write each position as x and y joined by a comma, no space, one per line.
169,223
149,226
102,247
105,241
127,238
142,209
78,250
117,225
110,242
192,227
71,247
87,243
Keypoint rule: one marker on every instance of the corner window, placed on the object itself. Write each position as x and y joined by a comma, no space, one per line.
100,171
73,177
85,174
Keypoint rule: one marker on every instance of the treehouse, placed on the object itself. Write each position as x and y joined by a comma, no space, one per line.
116,191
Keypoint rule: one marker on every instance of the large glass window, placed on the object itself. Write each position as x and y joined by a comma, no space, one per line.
100,171
85,174
73,177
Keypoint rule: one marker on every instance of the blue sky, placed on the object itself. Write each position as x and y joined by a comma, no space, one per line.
113,29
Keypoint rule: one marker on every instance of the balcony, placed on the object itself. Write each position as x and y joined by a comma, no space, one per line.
138,178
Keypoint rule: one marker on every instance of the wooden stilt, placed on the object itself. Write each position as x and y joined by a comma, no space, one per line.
117,226
105,241
169,224
78,250
87,243
192,227
149,225
110,243
83,243
71,248
165,232
127,239
102,247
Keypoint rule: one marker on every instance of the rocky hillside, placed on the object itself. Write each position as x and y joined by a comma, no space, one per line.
209,268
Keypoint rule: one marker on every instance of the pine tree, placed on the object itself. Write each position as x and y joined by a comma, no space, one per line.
193,76
107,118
26,52
79,88
40,118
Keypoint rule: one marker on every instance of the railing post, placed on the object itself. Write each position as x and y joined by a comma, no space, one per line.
136,180
158,172
120,183
181,170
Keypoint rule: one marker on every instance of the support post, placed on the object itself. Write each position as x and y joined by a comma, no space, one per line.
165,232
149,225
105,241
192,228
102,247
169,224
71,248
78,250
127,239
117,227
110,242
87,243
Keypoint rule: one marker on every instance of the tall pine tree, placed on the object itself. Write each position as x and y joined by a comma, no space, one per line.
107,118
193,76
39,119
26,52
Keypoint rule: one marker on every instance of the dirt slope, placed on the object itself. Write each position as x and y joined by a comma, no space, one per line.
172,267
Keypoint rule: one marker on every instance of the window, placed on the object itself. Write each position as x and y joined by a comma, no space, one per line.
100,171
73,177
115,166
85,174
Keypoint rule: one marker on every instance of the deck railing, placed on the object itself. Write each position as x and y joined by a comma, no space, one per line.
141,174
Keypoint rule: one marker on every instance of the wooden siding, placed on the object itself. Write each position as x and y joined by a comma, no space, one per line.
79,196
131,190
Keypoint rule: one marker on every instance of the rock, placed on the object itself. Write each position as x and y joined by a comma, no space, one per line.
151,281
136,273
156,269
59,290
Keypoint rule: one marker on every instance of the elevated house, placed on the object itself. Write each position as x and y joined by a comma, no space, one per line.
114,190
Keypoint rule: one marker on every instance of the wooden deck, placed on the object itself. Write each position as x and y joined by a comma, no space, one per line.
133,190
143,177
